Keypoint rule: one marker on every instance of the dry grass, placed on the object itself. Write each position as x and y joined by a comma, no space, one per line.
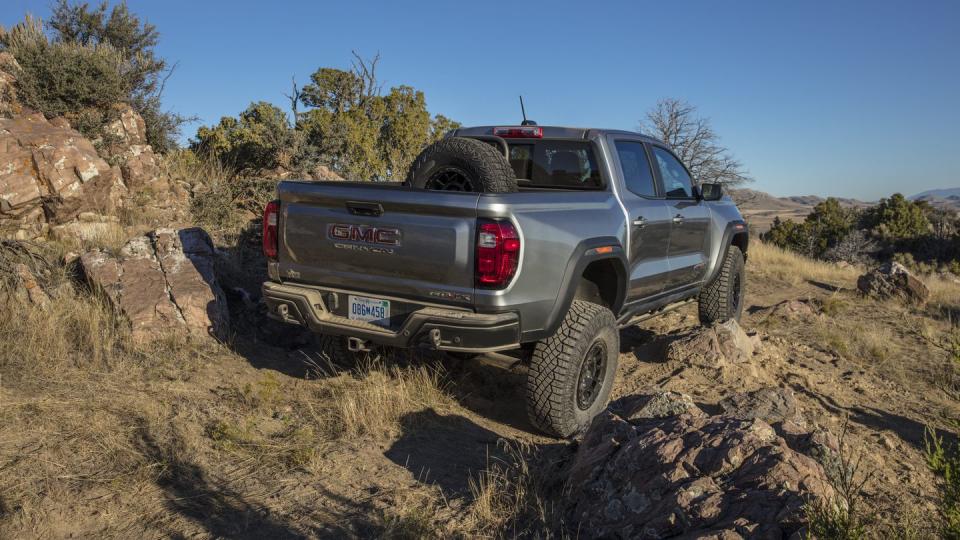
944,296
509,498
99,437
796,269
373,402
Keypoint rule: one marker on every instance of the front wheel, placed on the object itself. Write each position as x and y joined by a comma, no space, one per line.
572,372
722,299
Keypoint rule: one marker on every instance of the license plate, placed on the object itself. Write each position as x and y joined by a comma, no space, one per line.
372,310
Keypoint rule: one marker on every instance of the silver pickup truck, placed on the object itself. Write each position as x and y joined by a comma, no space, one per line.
591,230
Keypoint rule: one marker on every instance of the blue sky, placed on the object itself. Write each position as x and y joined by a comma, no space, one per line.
854,99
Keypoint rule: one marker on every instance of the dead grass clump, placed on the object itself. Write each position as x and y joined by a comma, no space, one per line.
374,401
510,497
795,269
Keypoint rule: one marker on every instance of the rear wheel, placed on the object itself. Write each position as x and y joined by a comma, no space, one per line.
572,372
722,299
462,164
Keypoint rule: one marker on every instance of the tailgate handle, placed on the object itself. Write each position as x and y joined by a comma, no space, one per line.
363,208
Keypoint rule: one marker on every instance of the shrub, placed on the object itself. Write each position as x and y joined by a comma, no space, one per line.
91,60
822,230
260,138
897,218
60,78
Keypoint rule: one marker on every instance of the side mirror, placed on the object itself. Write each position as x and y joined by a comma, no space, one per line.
711,192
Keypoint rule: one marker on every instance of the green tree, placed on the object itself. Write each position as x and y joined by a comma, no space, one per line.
359,132
898,218
828,224
260,138
788,234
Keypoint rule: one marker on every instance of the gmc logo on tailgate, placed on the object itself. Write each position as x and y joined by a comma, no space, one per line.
383,236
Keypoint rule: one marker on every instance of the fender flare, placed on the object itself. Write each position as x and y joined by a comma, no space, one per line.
733,228
585,253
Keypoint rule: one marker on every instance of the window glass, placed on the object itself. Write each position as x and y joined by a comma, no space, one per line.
676,181
636,168
521,159
555,164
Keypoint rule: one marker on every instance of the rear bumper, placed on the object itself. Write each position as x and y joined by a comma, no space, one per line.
430,326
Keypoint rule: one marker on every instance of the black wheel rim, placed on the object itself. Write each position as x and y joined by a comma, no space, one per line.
450,179
591,375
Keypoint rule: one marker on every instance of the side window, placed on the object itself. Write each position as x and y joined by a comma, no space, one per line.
636,168
676,181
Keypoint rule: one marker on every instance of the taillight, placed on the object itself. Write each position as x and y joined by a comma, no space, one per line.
522,132
498,253
271,218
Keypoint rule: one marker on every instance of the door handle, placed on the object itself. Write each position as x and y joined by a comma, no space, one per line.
677,219
640,222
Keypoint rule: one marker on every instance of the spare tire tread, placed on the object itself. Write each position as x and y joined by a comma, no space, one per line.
488,166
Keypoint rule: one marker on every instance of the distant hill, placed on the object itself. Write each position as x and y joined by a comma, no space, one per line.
947,199
760,208
945,193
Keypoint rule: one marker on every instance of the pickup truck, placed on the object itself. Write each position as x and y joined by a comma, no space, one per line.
547,240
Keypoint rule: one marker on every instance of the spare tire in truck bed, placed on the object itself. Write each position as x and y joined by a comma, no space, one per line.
462,164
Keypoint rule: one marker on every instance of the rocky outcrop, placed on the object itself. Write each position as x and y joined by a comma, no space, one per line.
49,174
9,105
689,475
893,280
125,142
163,282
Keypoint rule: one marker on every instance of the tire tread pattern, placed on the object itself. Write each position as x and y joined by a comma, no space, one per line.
488,165
555,368
715,297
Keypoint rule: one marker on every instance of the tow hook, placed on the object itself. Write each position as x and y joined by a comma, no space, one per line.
358,345
435,338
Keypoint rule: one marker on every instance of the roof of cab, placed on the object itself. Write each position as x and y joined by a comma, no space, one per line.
553,132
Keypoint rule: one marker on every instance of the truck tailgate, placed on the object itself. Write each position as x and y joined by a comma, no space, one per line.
379,238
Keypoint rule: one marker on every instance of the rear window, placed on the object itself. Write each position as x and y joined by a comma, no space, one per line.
555,164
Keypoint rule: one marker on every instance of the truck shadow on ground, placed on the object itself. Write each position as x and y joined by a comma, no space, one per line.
191,493
444,450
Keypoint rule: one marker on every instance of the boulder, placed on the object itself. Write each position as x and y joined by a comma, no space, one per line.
714,346
691,476
893,280
658,405
163,282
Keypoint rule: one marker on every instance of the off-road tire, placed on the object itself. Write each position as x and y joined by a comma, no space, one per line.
480,167
722,299
555,370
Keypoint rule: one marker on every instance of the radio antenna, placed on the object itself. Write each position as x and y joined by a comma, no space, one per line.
523,111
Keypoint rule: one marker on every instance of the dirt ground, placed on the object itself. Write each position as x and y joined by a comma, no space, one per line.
271,440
